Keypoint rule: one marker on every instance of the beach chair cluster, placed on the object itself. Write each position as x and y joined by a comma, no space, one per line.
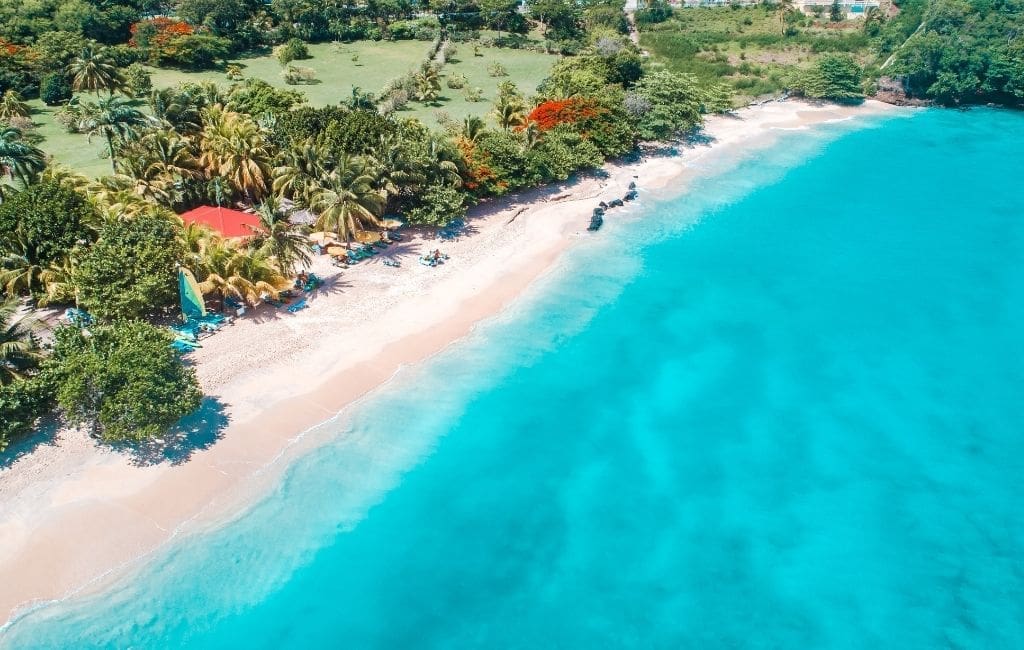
187,334
597,218
78,317
434,258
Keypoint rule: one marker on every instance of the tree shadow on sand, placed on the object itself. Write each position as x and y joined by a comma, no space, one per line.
195,432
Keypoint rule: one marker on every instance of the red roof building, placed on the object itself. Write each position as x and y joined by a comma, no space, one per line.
229,223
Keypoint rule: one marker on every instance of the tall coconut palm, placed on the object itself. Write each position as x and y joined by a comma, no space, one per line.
301,168
233,147
19,160
280,239
116,120
18,350
346,200
472,128
509,112
58,281
785,6
229,270
18,273
91,71
12,105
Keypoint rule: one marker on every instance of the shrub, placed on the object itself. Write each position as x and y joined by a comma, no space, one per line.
293,50
399,98
456,81
298,75
496,69
54,89
137,80
234,72
474,94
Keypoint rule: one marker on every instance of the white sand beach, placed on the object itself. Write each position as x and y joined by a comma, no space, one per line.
74,515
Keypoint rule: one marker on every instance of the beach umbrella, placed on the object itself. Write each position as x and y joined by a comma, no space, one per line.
323,238
367,237
335,250
391,224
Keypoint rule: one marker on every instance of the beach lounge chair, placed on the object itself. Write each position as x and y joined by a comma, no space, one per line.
78,317
391,262
300,304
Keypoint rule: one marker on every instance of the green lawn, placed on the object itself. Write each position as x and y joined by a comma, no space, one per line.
527,69
745,47
336,72
378,63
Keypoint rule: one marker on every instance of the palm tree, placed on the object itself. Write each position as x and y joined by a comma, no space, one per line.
428,84
18,350
116,120
11,105
92,71
19,160
785,6
472,128
302,167
280,239
159,163
509,112
18,273
58,281
232,271
347,200
233,148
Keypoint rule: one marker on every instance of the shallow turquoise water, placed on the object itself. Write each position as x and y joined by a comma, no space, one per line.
780,412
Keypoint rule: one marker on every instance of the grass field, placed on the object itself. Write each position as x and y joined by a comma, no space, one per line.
745,46
337,74
525,68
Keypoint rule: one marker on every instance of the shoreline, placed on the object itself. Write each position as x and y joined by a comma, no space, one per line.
274,376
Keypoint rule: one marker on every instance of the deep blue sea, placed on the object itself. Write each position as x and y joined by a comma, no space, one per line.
781,411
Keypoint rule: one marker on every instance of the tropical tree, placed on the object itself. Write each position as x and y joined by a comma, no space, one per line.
124,380
20,273
303,166
428,84
131,270
18,350
114,119
91,71
231,270
19,160
160,162
346,200
509,107
472,127
785,8
280,239
12,105
233,147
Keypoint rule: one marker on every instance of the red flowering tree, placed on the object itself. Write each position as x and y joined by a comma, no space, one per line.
547,115
154,35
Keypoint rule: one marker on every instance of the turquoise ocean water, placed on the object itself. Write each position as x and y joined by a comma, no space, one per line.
782,411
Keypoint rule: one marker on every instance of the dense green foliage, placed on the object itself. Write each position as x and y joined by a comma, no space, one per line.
966,52
46,220
123,381
54,89
131,270
22,404
833,76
